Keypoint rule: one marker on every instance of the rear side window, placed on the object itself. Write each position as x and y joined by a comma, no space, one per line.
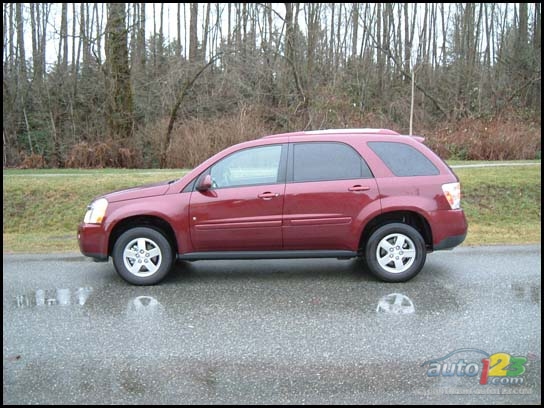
321,161
404,160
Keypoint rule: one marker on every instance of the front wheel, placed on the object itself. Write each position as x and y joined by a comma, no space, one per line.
395,252
142,256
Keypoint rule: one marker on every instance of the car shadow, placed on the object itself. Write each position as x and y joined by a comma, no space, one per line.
267,269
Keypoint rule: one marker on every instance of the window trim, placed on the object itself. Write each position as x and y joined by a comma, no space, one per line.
291,162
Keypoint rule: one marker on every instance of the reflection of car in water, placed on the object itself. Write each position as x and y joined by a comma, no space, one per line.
54,297
395,303
141,306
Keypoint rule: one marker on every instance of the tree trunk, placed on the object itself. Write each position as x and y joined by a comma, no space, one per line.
206,31
36,58
379,51
141,37
331,39
12,46
74,55
229,31
120,114
193,37
355,24
178,49
46,8
63,42
21,59
161,37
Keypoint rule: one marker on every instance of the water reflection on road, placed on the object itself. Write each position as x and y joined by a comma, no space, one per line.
149,306
54,297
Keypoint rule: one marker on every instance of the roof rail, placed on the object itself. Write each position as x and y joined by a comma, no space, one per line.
354,130
336,131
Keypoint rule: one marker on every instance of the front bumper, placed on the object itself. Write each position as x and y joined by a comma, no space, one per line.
93,241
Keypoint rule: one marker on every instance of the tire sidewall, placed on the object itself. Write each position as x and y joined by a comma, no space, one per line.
372,245
159,239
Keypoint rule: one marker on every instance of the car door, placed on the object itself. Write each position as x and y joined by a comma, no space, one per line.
243,209
328,186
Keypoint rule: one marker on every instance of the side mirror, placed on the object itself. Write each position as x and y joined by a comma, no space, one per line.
205,183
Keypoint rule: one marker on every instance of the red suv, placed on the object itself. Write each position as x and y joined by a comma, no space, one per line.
369,193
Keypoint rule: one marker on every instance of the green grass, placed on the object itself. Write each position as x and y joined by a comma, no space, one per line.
502,204
462,162
42,208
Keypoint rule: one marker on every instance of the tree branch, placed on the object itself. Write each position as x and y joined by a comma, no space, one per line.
179,100
433,99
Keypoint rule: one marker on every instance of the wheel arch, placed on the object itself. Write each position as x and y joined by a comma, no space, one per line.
149,221
410,218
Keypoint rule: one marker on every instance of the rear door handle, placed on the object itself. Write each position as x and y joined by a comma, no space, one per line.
268,195
358,187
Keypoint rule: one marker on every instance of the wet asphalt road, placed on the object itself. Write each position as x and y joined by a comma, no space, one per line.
264,332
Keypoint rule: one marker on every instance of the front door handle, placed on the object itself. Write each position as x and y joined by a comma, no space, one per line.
358,187
268,195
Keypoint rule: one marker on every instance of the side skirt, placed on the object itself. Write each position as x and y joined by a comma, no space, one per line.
195,256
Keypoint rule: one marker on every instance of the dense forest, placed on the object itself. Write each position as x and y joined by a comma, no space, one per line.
118,94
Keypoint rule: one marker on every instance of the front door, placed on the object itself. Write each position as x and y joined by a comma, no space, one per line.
243,209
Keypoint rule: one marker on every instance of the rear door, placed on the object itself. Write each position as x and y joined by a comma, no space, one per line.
328,186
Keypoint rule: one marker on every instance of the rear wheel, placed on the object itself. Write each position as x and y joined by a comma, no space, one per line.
395,252
142,256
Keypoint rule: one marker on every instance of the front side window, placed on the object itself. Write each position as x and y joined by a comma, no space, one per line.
322,161
257,165
404,160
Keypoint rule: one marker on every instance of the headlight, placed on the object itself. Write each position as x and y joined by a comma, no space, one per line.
96,211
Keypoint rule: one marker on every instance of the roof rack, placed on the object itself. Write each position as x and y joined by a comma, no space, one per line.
355,130
336,131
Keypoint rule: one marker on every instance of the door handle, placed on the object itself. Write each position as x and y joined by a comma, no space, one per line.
267,195
358,187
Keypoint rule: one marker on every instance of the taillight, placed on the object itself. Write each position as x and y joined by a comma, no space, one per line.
452,192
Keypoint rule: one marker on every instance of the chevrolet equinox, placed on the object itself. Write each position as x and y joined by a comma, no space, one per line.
344,193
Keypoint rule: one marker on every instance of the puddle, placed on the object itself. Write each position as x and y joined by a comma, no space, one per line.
54,297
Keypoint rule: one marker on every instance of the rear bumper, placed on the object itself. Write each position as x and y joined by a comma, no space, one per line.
92,241
450,242
449,228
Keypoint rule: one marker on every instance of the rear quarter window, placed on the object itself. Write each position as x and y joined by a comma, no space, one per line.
404,160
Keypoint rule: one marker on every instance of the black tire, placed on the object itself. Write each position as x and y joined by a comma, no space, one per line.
142,256
391,262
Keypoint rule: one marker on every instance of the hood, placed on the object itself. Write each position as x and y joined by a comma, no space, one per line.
147,190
